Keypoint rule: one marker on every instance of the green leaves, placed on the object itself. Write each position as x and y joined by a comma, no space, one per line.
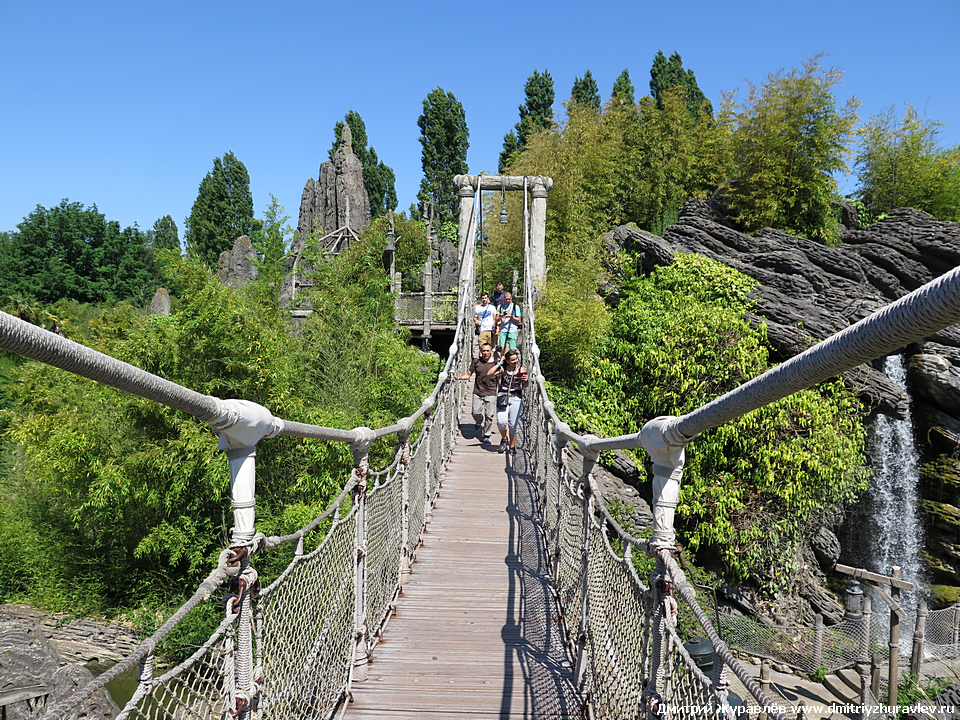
222,212
445,138
900,166
585,91
788,138
536,114
104,494
72,252
669,76
750,487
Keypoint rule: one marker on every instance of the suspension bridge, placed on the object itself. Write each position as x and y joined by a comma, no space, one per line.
459,583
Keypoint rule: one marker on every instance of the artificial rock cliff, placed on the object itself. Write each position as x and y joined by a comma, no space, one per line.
808,291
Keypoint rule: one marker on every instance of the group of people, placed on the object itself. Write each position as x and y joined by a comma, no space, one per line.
497,317
498,388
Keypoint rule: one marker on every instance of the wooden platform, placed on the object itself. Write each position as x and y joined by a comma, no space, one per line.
477,634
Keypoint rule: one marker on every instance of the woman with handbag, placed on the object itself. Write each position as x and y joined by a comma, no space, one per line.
513,379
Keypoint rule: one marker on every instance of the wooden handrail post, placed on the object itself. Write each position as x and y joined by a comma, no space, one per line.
956,626
588,509
867,627
893,677
919,630
765,686
863,670
361,655
561,479
818,641
875,664
404,468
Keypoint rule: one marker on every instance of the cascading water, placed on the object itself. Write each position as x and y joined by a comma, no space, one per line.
885,528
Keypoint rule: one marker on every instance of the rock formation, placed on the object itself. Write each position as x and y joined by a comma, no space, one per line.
809,291
160,305
338,198
236,267
30,669
336,201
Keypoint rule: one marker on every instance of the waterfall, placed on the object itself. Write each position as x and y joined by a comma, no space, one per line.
885,528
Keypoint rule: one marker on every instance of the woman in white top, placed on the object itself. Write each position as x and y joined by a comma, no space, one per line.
513,379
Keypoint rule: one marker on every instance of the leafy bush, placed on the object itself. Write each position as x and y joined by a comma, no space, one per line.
108,500
679,340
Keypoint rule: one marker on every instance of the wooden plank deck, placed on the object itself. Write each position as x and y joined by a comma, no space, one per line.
476,634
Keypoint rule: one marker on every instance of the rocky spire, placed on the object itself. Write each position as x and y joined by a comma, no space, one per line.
338,198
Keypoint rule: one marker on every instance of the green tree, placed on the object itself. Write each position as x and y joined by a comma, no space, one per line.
272,241
378,179
511,146
222,212
667,157
899,165
114,500
623,88
72,252
164,235
536,114
669,75
788,139
585,91
445,138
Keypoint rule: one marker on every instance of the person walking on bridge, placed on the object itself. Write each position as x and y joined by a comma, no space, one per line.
497,297
512,379
484,390
485,320
508,323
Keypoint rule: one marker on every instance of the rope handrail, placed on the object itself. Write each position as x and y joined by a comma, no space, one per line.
923,312
23,338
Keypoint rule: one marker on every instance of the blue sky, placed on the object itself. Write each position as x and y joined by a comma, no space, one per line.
126,104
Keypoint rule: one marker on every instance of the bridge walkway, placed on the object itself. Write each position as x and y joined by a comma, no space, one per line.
476,634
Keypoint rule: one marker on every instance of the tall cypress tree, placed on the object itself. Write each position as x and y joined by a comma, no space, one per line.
586,91
623,88
445,139
535,114
164,234
378,179
222,212
669,75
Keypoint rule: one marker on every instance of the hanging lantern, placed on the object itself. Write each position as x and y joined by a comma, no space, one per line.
854,603
503,202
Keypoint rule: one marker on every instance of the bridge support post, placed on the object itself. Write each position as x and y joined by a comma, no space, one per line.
404,439
538,233
467,234
666,447
589,460
249,424
919,631
361,656
558,502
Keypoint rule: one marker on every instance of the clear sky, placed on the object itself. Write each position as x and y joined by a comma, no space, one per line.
126,104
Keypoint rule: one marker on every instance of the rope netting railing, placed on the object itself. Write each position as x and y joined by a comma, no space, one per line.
631,658
930,642
293,647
